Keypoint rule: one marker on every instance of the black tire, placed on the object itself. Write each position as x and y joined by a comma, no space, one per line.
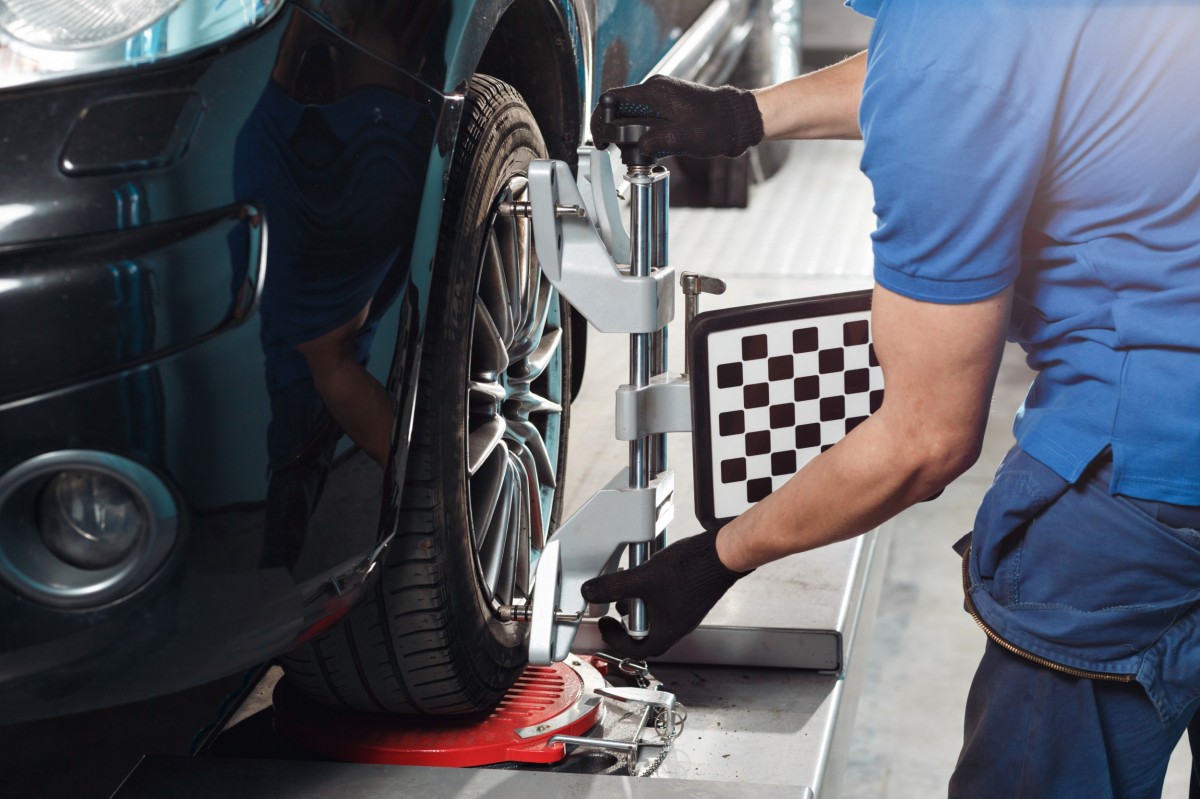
487,457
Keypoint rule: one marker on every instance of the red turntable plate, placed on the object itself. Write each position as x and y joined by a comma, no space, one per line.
545,701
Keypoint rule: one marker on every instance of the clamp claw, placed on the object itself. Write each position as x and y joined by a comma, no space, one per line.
645,696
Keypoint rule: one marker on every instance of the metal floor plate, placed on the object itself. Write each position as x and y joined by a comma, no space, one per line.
205,778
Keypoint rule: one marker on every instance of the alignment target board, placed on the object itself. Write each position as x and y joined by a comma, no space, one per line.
773,386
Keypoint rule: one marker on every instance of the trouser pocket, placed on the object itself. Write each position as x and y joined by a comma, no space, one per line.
1077,567
1021,490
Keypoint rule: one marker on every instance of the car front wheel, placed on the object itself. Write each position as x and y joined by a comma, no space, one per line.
483,490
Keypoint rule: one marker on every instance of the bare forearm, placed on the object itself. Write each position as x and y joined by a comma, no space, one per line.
819,105
939,364
869,477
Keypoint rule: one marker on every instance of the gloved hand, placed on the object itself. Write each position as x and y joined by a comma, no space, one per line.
679,585
699,120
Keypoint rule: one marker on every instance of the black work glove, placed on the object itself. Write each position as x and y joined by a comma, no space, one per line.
698,120
679,585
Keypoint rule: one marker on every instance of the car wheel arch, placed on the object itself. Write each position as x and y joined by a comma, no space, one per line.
547,75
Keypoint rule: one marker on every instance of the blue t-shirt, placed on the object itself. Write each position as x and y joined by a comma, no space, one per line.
1054,145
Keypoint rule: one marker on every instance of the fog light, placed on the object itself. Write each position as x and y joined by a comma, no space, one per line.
89,519
81,528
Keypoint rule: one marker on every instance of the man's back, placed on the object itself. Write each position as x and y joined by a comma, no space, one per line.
1052,143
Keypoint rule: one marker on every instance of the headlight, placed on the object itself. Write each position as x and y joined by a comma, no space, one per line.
42,39
85,23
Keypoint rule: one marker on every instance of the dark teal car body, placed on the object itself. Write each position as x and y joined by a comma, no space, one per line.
169,232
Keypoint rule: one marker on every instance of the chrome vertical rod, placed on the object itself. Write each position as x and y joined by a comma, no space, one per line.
641,249
642,245
661,200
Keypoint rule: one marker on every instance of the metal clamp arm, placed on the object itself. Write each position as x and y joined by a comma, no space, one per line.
598,287
588,544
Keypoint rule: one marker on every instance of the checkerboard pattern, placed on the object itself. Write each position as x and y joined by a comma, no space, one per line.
780,393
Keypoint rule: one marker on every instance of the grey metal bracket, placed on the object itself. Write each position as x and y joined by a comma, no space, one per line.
663,406
578,232
598,186
584,546
596,285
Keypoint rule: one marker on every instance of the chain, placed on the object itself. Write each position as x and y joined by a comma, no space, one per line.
636,669
640,672
660,726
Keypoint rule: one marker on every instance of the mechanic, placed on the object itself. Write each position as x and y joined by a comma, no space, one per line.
1036,170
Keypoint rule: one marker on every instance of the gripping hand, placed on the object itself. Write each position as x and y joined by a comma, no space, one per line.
699,121
679,585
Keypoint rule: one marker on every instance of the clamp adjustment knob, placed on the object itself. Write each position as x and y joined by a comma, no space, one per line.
625,132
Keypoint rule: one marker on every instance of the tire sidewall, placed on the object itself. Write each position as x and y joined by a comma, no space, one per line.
511,141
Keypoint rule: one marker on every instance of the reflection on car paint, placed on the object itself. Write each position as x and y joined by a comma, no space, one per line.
128,204
629,41
410,36
279,523
328,154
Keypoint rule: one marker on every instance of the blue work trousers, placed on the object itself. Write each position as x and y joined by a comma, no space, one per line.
1077,576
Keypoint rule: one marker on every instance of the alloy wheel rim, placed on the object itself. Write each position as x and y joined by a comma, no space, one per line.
514,392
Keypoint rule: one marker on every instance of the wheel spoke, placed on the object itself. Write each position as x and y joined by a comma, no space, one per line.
530,275
521,407
493,288
541,357
530,333
483,440
495,544
486,486
484,396
531,437
537,523
520,581
489,355
506,235
505,584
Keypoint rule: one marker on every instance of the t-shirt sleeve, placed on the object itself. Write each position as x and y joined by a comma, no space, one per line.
868,8
954,166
